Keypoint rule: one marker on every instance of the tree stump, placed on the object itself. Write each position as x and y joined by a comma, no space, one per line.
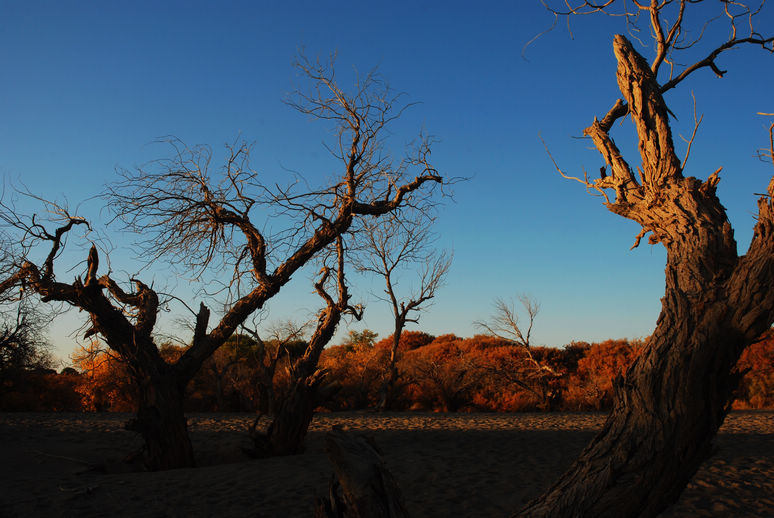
362,487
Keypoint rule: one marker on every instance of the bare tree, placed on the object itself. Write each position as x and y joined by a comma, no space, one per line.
530,374
393,244
22,342
205,221
671,402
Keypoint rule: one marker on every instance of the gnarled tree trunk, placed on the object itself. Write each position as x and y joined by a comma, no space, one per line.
286,433
161,422
673,399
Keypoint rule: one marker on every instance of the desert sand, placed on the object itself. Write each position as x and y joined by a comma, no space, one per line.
468,465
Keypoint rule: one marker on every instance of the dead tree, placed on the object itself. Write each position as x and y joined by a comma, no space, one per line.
286,433
208,222
530,374
671,402
22,342
390,246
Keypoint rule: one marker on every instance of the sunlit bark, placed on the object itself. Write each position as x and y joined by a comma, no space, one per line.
669,406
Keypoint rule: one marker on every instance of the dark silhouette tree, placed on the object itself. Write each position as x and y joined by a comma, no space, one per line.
669,405
23,345
212,221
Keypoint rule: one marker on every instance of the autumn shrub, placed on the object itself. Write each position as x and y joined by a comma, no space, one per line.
445,373
509,381
756,389
590,387
40,390
409,340
359,371
104,384
442,375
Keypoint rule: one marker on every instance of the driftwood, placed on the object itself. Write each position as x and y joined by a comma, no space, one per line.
362,487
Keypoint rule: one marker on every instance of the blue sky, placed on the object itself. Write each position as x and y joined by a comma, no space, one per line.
89,86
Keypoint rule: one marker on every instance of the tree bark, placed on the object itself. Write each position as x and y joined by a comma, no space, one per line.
368,489
669,406
287,431
161,421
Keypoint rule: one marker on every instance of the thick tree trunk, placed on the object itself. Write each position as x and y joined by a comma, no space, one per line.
287,431
161,422
666,414
673,399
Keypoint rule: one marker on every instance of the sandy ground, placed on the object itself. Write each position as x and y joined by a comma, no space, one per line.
467,465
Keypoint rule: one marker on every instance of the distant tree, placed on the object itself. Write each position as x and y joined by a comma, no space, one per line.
23,345
208,222
104,383
70,371
409,340
392,246
669,405
24,351
285,341
224,361
526,370
359,340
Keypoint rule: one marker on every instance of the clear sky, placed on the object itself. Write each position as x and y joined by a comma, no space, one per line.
87,87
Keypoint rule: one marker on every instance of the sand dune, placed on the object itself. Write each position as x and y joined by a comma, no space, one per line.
472,465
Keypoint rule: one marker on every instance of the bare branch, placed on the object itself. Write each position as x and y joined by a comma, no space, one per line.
696,124
505,325
598,186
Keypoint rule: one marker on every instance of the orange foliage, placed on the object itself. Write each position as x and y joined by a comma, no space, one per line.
511,383
409,340
447,373
756,390
359,370
104,383
591,386
442,375
40,390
